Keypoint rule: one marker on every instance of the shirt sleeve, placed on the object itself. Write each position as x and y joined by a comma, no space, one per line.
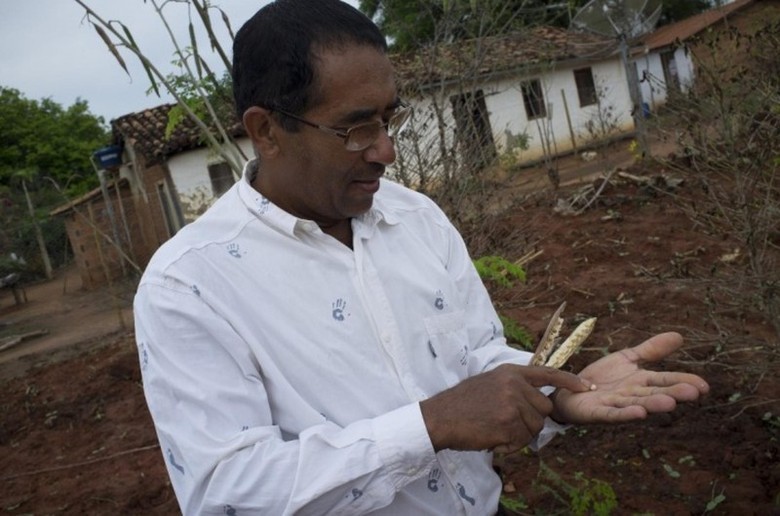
489,347
221,446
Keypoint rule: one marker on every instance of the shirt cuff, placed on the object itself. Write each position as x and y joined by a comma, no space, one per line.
404,445
551,427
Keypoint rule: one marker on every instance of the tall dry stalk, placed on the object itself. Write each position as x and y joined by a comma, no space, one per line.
195,71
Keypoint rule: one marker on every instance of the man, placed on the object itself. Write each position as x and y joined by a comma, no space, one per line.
319,342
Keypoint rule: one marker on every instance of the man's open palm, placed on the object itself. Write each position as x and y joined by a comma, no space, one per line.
625,391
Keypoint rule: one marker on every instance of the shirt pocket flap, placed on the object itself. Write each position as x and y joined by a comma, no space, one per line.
449,345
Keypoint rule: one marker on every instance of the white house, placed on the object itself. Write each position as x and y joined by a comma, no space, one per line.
662,59
522,97
531,96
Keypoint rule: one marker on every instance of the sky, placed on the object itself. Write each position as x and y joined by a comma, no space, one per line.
49,50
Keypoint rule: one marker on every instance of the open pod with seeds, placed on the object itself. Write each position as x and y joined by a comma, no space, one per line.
549,353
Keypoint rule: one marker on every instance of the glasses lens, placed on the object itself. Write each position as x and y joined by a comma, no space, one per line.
362,136
398,121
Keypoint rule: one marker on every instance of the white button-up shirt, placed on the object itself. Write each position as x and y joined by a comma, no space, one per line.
283,370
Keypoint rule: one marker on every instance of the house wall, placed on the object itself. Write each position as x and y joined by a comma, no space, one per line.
92,236
150,226
685,68
652,83
508,114
653,87
155,228
190,177
429,142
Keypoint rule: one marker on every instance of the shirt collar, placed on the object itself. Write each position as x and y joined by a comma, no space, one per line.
263,208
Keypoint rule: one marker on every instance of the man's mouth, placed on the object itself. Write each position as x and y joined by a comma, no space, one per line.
367,185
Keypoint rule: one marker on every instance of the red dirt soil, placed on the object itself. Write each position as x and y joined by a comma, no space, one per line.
76,437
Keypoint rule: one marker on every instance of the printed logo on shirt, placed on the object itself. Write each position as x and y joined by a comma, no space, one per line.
495,329
464,495
173,462
439,302
463,356
144,355
339,310
262,205
195,290
234,250
433,479
356,493
230,511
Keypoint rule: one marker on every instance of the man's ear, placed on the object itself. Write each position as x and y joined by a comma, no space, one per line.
263,130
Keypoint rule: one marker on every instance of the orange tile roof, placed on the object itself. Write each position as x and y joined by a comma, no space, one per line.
688,27
145,130
496,54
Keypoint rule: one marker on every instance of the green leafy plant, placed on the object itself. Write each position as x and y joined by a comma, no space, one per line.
582,496
505,273
516,334
772,421
499,269
514,504
715,501
593,496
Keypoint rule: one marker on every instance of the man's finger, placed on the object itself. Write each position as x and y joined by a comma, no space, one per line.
673,379
539,376
657,347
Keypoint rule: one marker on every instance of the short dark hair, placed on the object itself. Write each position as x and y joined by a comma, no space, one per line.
273,52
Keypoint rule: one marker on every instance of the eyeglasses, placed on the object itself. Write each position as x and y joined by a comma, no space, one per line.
362,136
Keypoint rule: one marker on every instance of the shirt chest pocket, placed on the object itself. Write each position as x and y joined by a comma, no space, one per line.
448,344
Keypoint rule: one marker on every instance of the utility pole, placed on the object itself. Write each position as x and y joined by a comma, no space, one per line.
38,234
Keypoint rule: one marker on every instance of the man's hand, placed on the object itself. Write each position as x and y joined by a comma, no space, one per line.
502,407
625,391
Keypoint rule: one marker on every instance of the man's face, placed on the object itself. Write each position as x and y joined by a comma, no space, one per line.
319,179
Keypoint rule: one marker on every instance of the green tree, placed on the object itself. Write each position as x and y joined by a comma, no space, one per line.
676,10
55,142
414,23
411,24
43,148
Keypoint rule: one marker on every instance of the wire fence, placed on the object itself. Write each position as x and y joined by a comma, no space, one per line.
44,231
33,247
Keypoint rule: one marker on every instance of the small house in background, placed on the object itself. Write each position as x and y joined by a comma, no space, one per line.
104,233
526,95
151,185
663,59
176,175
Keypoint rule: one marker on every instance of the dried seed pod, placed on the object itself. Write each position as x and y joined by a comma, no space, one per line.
571,344
547,343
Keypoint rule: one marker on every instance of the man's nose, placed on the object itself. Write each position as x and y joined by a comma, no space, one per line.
382,150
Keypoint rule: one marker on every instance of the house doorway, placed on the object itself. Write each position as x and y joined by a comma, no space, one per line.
671,76
473,133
